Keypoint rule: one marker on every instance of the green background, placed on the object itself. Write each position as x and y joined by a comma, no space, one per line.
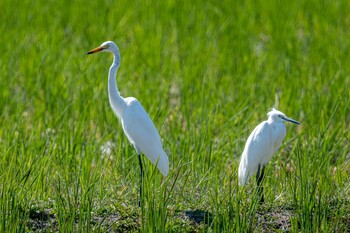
207,72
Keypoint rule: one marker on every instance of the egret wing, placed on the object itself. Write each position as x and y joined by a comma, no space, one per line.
257,151
141,132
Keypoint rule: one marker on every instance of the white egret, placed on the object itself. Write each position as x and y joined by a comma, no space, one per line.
135,121
261,145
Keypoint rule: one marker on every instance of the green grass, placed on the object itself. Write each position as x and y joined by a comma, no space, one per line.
207,72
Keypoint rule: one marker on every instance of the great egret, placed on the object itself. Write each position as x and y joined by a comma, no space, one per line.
136,123
262,143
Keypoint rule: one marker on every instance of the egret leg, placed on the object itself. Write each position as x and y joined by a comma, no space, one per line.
141,174
259,177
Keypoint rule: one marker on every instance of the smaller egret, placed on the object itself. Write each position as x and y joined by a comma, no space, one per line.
137,125
261,145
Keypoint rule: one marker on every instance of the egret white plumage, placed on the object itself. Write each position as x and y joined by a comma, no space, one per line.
261,145
137,125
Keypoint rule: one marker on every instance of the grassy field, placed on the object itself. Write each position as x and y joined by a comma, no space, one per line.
207,72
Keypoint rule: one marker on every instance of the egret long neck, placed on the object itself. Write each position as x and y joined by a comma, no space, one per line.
117,102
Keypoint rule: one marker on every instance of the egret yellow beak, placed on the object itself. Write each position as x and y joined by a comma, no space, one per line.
96,50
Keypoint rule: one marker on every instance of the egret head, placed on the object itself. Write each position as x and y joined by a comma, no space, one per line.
277,116
108,46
